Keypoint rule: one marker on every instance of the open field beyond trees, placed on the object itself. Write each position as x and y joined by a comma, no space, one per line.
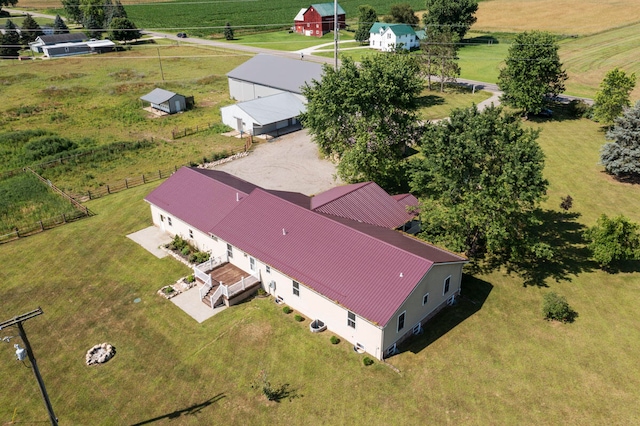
490,359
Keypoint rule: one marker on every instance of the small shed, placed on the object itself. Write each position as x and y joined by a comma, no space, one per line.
165,100
272,114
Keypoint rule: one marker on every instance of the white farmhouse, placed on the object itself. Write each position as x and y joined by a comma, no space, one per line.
388,37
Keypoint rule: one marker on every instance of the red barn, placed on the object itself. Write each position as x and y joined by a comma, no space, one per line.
317,19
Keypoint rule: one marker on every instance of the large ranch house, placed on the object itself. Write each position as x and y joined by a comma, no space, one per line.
339,257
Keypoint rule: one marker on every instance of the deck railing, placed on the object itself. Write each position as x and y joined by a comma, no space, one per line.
202,270
230,290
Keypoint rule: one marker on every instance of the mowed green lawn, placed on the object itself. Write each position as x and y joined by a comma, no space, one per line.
489,360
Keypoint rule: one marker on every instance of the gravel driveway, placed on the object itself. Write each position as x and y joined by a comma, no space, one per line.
288,163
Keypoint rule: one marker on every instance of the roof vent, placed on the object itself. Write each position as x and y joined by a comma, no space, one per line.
237,197
401,275
284,232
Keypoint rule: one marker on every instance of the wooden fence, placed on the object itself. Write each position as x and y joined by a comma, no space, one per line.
177,134
124,184
43,225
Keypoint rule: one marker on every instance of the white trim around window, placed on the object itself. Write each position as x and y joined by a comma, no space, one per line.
425,299
401,320
446,285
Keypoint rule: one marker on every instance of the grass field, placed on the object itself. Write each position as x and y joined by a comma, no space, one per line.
490,360
284,40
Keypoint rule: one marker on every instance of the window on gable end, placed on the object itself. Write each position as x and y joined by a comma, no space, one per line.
447,282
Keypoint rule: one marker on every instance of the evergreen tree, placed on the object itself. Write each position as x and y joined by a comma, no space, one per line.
122,29
73,11
30,30
94,29
59,26
613,96
10,46
621,157
533,71
228,32
367,18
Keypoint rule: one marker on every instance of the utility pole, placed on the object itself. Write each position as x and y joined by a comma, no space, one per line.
335,33
160,60
23,335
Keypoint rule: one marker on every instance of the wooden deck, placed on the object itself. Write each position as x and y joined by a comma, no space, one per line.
227,274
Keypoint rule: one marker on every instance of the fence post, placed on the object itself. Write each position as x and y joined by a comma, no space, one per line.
126,183
64,218
89,192
41,225
17,232
143,181
175,168
86,210
159,174
108,190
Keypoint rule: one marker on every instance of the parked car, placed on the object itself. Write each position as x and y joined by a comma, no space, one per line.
182,35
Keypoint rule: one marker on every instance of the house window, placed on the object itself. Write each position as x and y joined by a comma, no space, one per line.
161,218
268,269
317,26
401,320
252,264
296,288
169,221
214,238
351,319
425,299
229,251
389,35
447,281
191,233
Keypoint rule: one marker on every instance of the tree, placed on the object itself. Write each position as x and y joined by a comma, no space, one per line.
402,13
367,18
621,157
613,240
480,182
93,17
122,29
458,15
30,30
112,11
10,41
59,27
72,8
365,114
556,308
7,3
613,96
228,31
532,72
440,56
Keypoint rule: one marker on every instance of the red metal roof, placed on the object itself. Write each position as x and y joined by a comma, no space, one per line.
368,269
200,197
364,202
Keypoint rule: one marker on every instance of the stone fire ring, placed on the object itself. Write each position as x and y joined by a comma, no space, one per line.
99,354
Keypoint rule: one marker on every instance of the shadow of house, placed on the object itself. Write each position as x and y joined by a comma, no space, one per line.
166,101
473,295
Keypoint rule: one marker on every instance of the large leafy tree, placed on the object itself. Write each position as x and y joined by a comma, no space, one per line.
614,239
228,31
365,113
440,56
10,41
122,29
613,96
458,15
112,11
402,13
533,71
30,30
73,11
93,16
7,3
480,182
621,157
366,19
59,26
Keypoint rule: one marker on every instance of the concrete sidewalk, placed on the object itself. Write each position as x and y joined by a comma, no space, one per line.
190,303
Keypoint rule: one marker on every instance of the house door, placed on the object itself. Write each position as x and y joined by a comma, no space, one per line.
239,125
178,105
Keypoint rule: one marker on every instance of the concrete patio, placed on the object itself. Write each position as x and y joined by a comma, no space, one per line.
190,303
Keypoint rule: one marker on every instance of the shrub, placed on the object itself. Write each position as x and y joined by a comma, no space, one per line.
287,310
334,340
185,251
168,290
567,202
367,361
190,278
261,291
613,239
579,109
555,307
198,257
299,318
44,146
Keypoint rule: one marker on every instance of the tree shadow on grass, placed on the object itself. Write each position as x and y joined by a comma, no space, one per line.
474,293
565,235
483,39
193,410
429,101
